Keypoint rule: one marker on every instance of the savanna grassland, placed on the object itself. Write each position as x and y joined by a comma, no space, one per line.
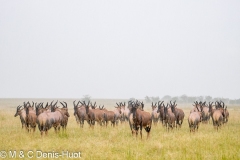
118,143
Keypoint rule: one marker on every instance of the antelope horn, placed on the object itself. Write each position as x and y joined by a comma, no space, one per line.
19,107
46,105
65,104
38,105
197,108
24,104
161,103
55,104
76,105
51,103
62,104
81,103
223,104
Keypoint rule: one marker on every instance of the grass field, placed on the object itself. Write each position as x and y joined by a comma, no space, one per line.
118,143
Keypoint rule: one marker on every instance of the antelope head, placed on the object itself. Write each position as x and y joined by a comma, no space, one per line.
18,111
64,110
159,106
154,106
75,106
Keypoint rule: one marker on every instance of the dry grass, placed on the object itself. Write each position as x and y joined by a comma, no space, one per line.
118,143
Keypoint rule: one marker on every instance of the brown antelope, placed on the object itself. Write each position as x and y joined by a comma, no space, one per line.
218,115
80,113
94,115
31,118
206,114
141,119
130,118
195,118
226,115
168,117
140,106
21,112
155,115
66,116
225,112
133,127
161,111
57,117
42,119
117,111
109,116
75,112
179,114
98,114
123,115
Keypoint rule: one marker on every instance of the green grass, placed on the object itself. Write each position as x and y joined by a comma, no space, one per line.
118,143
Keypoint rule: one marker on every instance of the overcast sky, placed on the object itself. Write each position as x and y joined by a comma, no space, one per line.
119,49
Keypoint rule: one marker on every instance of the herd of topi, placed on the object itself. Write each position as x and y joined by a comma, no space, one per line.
51,115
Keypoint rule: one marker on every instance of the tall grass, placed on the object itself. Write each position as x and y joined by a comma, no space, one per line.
118,143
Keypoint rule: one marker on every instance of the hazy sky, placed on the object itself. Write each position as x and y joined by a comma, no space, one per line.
119,49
